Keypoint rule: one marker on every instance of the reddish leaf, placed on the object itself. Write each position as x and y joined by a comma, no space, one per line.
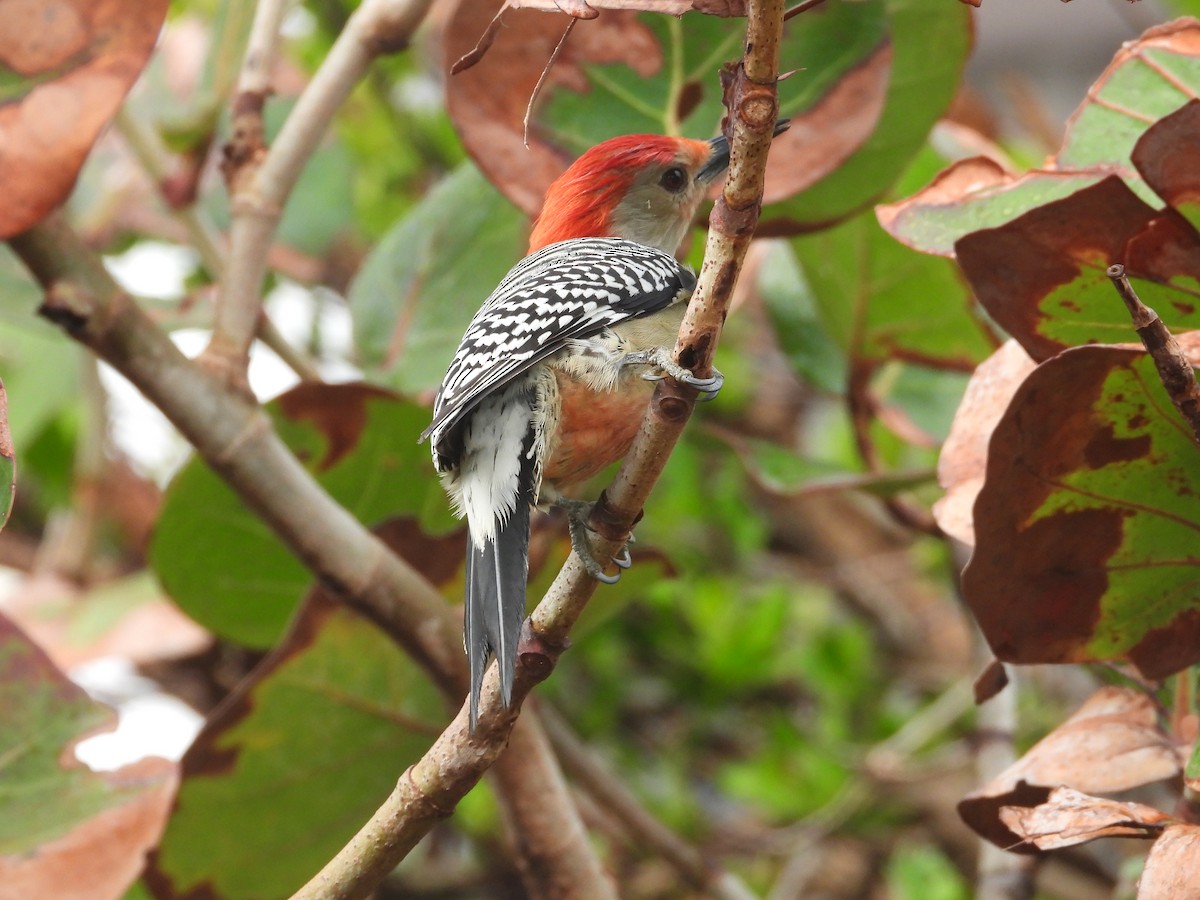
1083,550
104,854
1173,866
1069,817
1168,158
1042,275
75,60
1112,743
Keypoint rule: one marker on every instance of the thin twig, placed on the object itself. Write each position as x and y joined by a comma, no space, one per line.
642,829
801,7
537,88
202,233
1176,373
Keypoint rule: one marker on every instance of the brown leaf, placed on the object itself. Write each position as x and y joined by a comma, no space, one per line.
963,460
1112,743
1172,869
104,855
1069,817
990,682
79,58
339,412
1017,267
1168,157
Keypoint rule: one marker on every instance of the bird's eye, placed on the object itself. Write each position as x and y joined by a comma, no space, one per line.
674,179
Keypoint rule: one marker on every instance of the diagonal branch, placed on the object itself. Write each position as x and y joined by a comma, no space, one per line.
236,438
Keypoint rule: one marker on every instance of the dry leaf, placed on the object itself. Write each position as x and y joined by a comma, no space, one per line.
1112,743
1069,817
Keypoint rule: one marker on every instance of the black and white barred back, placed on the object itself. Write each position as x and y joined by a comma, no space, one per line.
566,291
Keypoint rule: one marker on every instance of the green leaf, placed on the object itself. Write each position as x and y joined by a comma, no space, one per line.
972,195
300,756
226,568
881,300
923,873
1147,79
919,89
419,288
1086,525
44,791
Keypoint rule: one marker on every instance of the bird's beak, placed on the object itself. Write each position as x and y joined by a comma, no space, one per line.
718,159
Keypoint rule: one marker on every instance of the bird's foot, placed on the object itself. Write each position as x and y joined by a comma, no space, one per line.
660,359
578,512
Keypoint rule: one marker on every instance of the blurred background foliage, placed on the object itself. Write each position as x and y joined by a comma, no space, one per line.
783,675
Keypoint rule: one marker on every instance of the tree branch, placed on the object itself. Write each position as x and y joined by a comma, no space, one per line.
235,437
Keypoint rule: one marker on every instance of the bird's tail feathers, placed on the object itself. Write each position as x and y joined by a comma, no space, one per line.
496,575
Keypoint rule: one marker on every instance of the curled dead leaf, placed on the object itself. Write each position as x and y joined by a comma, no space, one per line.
1173,866
1069,817
1112,743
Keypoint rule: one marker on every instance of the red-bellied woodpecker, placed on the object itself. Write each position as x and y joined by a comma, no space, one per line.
552,376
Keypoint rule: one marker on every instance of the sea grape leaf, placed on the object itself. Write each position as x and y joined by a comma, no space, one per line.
1111,744
1168,159
973,194
288,768
1069,817
56,836
1042,275
225,567
415,294
1147,79
1171,869
1086,524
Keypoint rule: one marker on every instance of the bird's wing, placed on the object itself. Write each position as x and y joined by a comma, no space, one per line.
565,291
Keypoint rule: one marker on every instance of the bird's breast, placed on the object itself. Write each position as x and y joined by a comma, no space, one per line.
594,428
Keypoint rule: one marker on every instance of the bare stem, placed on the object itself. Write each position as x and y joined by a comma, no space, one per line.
202,233
1176,373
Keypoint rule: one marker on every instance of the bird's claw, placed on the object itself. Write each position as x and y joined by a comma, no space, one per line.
578,512
661,359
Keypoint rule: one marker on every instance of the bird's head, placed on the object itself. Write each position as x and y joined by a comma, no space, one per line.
641,187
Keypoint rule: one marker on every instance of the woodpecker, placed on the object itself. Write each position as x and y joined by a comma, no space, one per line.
554,372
